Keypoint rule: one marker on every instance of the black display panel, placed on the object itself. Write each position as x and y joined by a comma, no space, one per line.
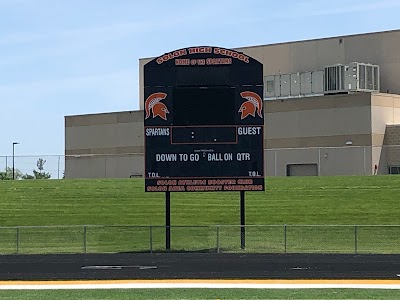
203,106
203,121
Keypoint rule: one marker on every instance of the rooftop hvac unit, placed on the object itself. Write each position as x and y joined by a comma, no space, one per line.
294,85
354,77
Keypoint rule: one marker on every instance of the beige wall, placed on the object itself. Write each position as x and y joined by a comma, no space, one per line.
104,166
278,159
331,161
104,145
330,121
382,48
385,111
316,128
345,161
111,133
379,159
322,121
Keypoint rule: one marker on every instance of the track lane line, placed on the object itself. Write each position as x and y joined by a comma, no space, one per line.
200,283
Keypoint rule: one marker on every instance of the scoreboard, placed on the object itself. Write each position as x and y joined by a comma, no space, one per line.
203,121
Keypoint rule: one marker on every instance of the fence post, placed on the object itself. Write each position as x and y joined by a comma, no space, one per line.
217,238
58,168
151,239
84,239
17,240
355,239
319,161
285,237
365,161
105,166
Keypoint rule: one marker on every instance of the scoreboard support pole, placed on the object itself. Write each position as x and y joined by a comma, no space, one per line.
167,221
242,221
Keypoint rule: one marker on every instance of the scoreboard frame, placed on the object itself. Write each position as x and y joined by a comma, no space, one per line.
209,156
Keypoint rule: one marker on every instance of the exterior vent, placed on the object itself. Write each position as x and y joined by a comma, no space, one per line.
295,85
340,78
354,77
334,79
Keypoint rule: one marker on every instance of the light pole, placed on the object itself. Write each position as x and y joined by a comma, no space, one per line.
14,143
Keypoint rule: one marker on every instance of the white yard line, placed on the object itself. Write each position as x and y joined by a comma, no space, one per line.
217,284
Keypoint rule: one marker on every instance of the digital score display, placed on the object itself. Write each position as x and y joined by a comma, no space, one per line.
203,106
204,137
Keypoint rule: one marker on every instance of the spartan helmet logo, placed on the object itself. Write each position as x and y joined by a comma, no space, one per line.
253,103
153,104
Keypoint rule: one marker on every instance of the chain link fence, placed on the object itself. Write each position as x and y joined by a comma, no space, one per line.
346,160
323,161
346,239
24,165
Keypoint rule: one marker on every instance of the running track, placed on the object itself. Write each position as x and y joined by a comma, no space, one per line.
198,266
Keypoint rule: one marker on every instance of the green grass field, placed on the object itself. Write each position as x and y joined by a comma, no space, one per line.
197,294
367,200
303,200
293,201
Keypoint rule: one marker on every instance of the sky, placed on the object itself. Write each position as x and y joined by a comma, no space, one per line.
70,57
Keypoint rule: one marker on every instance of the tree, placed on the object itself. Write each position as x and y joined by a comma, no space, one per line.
41,174
7,174
40,164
